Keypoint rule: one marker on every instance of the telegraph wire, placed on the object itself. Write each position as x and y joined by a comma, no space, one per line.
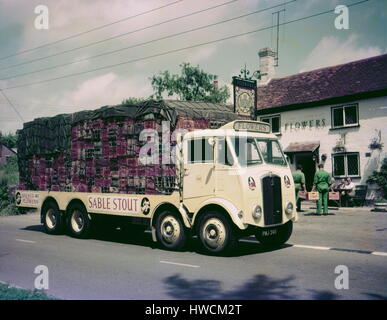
144,43
117,36
12,105
179,49
88,31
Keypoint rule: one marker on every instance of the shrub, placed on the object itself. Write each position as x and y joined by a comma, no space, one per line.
380,178
10,210
7,205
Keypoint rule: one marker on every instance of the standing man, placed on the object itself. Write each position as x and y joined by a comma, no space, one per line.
322,182
299,184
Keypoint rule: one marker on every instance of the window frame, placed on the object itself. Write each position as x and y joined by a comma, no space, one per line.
189,161
270,119
228,152
345,155
344,125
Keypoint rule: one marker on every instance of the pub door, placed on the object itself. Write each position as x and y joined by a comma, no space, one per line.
306,160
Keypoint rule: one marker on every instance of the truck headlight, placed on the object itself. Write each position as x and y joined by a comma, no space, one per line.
257,212
289,208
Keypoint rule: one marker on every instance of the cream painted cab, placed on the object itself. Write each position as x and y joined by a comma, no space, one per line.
231,182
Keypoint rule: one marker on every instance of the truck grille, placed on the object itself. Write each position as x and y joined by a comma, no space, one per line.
272,199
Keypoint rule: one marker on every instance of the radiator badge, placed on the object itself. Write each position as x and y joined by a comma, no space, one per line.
252,184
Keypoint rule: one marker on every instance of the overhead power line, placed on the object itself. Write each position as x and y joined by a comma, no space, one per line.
90,30
12,105
117,36
146,42
178,50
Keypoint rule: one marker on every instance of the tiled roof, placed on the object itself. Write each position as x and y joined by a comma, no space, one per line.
358,77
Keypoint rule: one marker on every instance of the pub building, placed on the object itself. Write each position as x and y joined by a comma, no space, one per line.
335,115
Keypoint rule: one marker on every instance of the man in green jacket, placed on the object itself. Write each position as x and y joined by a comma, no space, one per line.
299,184
322,182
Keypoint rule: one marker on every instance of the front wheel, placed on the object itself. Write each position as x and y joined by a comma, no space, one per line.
275,237
216,233
170,231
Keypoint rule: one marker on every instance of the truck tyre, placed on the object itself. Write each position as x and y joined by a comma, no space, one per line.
52,218
216,233
284,233
170,231
79,223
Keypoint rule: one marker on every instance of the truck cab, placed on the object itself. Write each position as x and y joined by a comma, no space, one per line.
236,181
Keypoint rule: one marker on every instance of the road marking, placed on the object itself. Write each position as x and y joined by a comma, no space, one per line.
26,241
377,253
180,264
310,247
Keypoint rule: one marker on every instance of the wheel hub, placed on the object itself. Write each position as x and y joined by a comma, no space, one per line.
77,221
214,233
170,229
51,219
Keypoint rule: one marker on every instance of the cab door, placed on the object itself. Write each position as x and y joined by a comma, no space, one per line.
199,167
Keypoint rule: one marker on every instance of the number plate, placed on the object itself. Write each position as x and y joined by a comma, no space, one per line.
269,232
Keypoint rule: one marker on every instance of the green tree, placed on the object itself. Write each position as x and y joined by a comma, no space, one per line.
9,140
380,178
192,84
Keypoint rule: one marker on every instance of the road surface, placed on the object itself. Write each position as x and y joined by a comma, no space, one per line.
118,267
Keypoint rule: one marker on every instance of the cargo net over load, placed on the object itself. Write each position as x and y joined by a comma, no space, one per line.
101,150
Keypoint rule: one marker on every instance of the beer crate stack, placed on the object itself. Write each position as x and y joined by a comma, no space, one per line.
99,151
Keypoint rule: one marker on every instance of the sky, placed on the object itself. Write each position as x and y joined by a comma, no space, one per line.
306,44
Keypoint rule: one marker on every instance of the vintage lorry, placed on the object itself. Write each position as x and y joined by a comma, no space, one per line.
224,180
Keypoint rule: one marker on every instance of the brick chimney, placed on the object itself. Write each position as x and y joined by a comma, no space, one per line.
266,64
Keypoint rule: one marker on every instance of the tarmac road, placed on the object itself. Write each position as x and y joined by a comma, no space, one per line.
117,267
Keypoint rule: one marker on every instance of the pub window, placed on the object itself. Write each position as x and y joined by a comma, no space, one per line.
274,121
345,116
346,165
200,151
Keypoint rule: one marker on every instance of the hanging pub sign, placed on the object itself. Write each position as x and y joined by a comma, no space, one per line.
245,96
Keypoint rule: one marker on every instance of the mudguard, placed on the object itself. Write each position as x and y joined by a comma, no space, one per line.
226,205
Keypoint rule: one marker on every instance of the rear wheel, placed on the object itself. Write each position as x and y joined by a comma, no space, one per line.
281,236
170,231
52,218
79,222
216,233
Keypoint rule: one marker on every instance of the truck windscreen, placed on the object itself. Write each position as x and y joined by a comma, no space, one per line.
252,151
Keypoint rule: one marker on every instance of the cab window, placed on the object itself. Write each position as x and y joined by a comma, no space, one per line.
224,154
200,151
246,150
271,152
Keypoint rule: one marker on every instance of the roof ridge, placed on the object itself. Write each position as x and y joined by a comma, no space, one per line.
331,67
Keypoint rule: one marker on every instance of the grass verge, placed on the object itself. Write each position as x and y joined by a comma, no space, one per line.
10,293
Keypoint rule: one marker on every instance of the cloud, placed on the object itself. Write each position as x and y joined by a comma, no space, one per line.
199,55
102,90
332,51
